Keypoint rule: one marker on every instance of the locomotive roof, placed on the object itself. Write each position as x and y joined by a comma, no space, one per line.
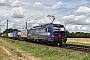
58,25
44,25
55,25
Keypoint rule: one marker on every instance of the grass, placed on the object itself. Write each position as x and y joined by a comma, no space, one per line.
77,43
13,51
46,52
3,54
10,48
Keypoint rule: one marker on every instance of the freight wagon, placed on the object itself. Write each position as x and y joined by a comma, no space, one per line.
23,34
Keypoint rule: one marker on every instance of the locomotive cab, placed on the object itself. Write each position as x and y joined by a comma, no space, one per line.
57,33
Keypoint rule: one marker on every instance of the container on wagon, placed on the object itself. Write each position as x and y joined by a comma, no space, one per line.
24,33
10,35
15,34
19,33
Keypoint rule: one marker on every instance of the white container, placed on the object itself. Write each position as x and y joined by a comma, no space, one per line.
24,33
10,35
19,33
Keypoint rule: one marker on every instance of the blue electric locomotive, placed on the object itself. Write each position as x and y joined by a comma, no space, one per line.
48,34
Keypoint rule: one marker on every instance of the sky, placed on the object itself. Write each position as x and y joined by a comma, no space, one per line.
73,14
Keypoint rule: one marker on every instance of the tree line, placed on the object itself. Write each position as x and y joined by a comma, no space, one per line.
77,34
9,30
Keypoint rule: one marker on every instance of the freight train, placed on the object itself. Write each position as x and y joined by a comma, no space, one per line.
51,34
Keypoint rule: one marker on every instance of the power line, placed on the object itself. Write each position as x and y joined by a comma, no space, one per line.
72,8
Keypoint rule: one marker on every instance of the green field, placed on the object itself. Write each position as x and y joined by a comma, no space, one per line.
46,52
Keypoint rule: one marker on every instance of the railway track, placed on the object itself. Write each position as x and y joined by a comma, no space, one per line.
81,48
74,47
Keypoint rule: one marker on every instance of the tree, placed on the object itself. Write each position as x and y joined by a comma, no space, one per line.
9,30
77,35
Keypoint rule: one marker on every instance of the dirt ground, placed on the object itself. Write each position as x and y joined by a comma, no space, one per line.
15,53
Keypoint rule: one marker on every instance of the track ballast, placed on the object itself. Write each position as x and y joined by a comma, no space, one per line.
81,48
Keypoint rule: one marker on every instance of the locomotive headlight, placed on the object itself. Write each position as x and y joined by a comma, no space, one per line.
52,35
65,35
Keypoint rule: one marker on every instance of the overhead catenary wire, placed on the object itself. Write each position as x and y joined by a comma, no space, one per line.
72,8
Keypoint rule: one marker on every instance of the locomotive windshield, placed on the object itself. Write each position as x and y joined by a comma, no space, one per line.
59,28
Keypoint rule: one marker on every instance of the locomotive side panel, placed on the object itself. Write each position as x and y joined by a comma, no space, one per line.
39,34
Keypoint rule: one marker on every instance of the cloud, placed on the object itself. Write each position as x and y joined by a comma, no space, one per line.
35,12
16,4
4,2
3,18
68,6
83,10
35,24
37,4
75,28
78,20
88,20
57,6
17,12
